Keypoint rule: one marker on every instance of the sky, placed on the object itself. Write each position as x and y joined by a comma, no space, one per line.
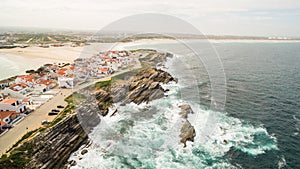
218,17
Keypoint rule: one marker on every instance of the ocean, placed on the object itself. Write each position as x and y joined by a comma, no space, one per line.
12,65
259,117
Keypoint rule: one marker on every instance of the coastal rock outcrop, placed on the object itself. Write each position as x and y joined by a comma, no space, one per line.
187,132
146,86
185,110
53,148
143,87
104,100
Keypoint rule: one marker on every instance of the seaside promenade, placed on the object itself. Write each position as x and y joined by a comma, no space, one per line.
33,121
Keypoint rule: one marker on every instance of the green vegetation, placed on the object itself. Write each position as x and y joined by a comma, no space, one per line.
18,157
75,98
103,84
125,75
27,135
69,109
43,38
20,153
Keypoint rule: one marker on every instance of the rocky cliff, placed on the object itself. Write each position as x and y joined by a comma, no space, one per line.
53,147
49,149
143,87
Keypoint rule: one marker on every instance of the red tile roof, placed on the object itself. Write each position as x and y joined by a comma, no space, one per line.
14,114
9,101
29,78
5,114
12,87
27,99
2,123
103,69
61,72
46,82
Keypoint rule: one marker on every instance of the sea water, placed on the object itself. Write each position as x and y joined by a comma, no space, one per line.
260,122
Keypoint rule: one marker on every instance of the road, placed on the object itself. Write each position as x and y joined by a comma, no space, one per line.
33,121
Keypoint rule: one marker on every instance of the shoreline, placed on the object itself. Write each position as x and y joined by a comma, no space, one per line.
64,53
58,99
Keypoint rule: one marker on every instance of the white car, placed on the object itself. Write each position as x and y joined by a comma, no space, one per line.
45,122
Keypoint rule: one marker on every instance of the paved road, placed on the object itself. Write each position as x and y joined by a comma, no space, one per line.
33,121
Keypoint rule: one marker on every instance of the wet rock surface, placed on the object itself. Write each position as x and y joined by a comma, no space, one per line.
146,86
143,87
53,147
187,132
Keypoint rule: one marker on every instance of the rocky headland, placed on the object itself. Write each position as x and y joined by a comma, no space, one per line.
52,148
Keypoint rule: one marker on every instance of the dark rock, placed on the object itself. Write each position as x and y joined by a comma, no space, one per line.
53,148
187,132
72,163
84,151
185,110
145,86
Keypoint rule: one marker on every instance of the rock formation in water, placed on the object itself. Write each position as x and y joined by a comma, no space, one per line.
187,132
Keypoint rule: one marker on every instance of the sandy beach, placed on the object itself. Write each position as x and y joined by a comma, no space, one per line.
64,54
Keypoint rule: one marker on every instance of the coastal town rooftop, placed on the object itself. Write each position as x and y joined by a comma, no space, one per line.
5,114
9,101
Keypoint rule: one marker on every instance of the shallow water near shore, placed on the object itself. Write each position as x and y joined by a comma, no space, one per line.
12,65
260,121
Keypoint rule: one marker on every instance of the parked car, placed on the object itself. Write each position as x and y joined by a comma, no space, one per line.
52,113
55,110
60,106
45,122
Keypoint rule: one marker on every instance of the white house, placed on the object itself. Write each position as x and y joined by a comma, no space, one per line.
39,89
7,117
43,86
12,93
29,80
65,82
13,104
21,88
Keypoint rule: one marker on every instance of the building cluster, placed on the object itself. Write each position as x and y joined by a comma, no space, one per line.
22,94
101,64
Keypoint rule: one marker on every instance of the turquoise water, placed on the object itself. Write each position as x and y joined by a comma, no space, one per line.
260,119
12,65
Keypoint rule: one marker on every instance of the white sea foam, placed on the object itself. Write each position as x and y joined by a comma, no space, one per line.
150,137
153,142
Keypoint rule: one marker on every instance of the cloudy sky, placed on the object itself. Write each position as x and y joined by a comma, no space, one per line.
230,17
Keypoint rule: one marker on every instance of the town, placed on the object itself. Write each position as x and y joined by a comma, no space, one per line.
22,95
